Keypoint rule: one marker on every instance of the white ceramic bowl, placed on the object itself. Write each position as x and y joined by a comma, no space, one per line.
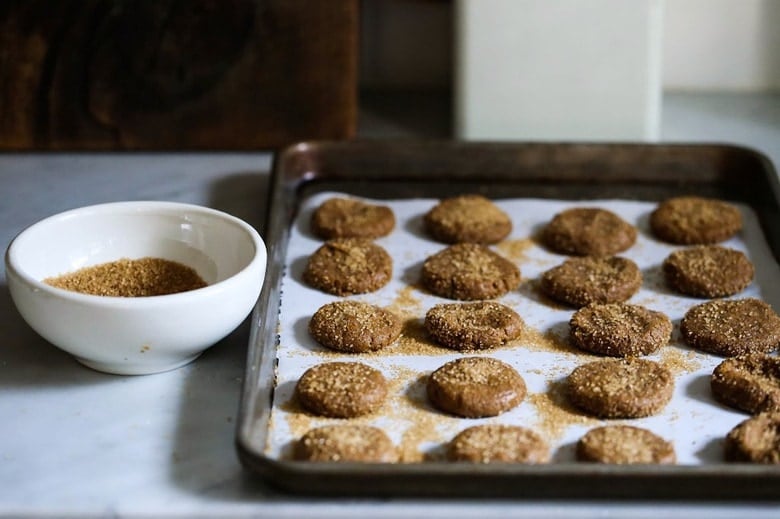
137,335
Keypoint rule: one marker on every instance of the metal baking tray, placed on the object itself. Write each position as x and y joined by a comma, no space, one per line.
562,171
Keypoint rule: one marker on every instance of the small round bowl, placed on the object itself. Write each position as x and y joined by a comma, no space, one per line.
137,335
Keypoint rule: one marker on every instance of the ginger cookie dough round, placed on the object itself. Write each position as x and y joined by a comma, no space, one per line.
755,440
731,327
748,382
620,388
354,326
467,218
619,329
495,443
346,266
469,271
475,387
472,326
341,389
581,281
708,271
692,220
625,444
351,218
588,231
346,443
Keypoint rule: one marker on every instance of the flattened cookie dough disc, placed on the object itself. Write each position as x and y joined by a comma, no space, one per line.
472,326
619,329
498,444
586,231
346,443
354,326
581,281
341,389
467,218
624,444
474,387
351,218
468,271
708,271
691,220
620,388
346,266
732,327
755,440
748,382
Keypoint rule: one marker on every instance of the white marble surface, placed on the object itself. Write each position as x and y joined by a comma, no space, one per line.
77,443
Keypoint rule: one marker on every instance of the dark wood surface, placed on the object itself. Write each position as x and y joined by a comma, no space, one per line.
168,74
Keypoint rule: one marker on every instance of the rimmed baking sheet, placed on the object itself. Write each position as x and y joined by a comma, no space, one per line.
632,178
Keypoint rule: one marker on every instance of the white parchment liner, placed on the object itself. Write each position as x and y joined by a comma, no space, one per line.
692,420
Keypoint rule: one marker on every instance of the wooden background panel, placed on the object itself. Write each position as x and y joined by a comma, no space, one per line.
176,74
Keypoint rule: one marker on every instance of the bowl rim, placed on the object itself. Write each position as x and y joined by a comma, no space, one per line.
259,259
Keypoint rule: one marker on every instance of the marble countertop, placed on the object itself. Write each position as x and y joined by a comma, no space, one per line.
75,442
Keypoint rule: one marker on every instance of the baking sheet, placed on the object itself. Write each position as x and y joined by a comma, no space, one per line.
412,172
693,420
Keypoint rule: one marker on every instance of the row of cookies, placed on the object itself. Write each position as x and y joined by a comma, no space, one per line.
747,380
487,443
473,218
470,271
476,387
749,441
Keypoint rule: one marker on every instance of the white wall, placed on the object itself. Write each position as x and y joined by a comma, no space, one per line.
707,44
722,45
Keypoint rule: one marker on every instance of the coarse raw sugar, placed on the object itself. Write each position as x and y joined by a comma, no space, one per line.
555,414
125,277
516,250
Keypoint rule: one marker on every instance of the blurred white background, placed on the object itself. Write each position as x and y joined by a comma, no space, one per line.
707,45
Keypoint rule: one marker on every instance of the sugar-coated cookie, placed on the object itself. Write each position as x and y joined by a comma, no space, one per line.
581,281
472,326
624,444
469,271
620,388
708,271
354,326
588,231
748,382
475,387
341,389
346,266
619,329
730,327
692,220
467,218
342,217
346,443
755,440
496,443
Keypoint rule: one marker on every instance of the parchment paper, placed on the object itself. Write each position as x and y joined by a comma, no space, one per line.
692,420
